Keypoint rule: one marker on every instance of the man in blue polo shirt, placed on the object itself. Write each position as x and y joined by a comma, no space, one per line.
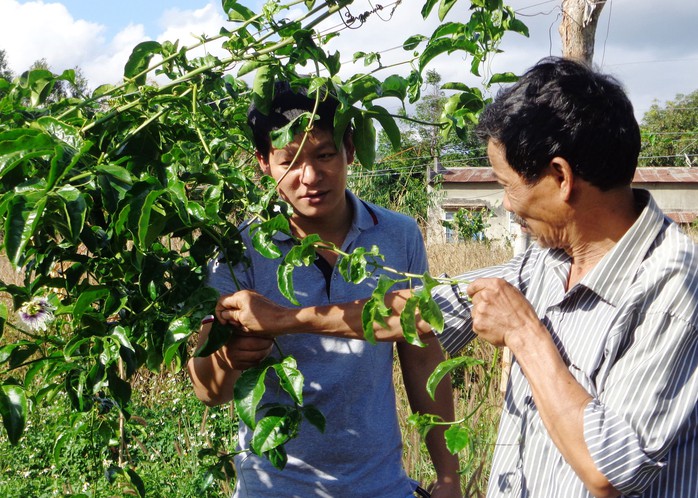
350,381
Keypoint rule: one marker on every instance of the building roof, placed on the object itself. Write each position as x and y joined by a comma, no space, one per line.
642,175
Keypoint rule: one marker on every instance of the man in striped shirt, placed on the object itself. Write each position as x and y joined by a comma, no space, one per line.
601,314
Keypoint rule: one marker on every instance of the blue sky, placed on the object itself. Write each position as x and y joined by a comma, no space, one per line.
115,14
650,46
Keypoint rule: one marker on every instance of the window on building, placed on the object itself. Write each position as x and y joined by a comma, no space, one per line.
465,223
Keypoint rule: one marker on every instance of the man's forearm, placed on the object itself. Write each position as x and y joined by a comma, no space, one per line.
252,313
561,401
417,364
212,377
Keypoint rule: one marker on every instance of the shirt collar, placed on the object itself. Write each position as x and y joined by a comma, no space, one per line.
363,218
616,271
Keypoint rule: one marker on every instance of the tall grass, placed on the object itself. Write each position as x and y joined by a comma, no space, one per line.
477,393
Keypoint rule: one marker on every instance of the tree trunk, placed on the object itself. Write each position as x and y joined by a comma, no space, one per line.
578,28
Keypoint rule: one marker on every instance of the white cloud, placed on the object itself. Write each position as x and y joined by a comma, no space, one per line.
108,65
35,30
188,26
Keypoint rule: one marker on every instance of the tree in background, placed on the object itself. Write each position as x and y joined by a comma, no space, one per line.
400,179
670,133
74,87
5,71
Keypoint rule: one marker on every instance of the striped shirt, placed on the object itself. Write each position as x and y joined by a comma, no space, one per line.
628,332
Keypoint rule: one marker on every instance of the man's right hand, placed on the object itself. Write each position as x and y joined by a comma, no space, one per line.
252,313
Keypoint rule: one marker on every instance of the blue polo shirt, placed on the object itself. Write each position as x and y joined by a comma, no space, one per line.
349,381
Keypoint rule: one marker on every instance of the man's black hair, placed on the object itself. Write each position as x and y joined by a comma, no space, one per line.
288,104
561,107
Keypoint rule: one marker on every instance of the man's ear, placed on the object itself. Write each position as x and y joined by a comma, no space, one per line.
563,175
349,150
263,164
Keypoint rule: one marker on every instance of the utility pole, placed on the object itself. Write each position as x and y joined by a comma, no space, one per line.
578,28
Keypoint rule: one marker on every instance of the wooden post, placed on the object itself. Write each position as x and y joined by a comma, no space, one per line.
521,242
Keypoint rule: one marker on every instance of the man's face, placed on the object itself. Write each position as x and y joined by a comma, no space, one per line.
536,206
315,185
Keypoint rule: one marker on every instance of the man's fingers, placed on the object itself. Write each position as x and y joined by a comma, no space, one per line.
477,286
226,307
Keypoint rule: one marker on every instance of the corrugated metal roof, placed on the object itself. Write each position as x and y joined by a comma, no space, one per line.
682,217
666,175
469,175
642,175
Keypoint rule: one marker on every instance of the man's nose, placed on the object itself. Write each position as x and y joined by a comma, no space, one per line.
309,173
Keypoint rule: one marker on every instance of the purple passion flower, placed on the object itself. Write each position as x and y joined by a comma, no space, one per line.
37,313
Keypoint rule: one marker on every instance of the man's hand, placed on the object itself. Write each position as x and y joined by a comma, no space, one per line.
446,489
251,313
499,309
244,351
214,376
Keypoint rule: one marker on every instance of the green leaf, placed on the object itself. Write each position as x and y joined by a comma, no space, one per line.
440,45
374,309
75,209
408,322
62,131
3,318
22,220
445,7
262,236
139,60
19,145
507,77
394,86
342,118
86,299
445,367
277,457
457,438
238,12
13,408
315,417
58,446
290,378
136,481
428,7
40,83
119,388
270,432
284,277
151,219
263,89
362,88
250,66
518,27
365,140
428,308
423,422
177,334
249,389
217,336
413,41
119,333
388,124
